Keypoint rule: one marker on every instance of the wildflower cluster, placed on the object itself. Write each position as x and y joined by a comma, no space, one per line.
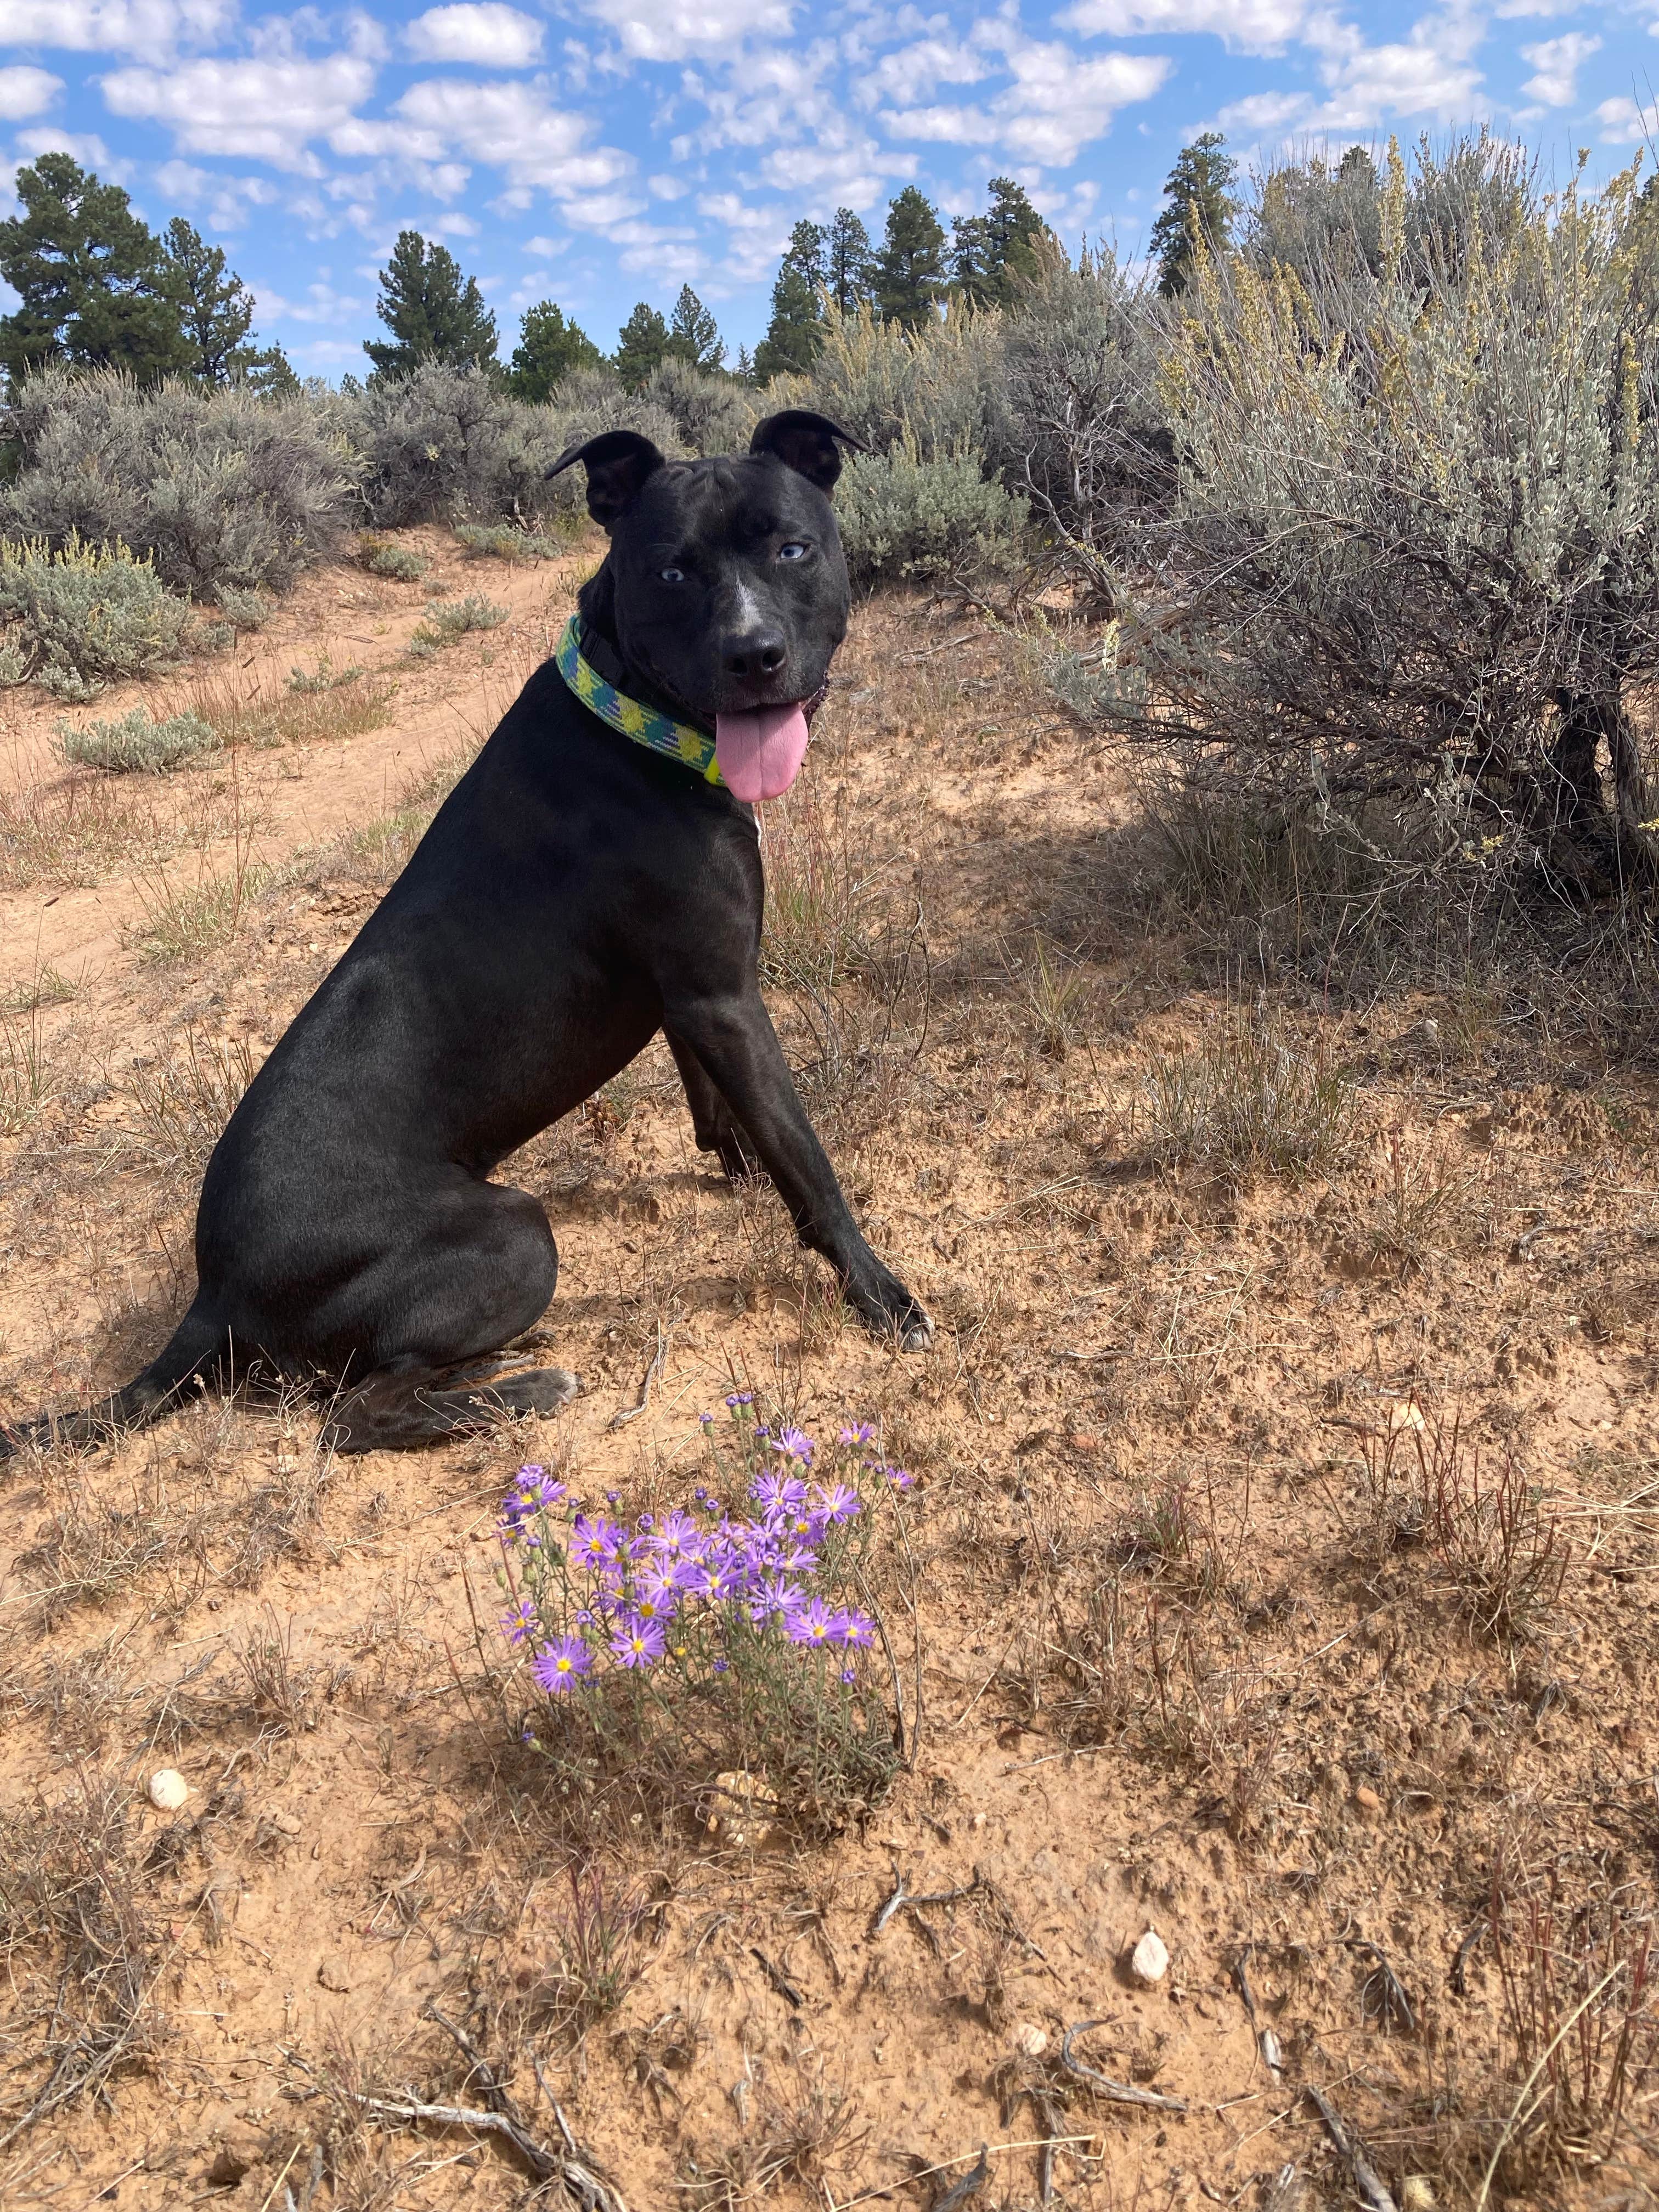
745,1612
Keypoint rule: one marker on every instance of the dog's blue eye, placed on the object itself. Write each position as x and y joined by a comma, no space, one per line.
793,552
671,575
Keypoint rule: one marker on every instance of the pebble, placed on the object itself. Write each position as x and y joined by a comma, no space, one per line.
1367,1799
1150,1961
167,1789
1030,2040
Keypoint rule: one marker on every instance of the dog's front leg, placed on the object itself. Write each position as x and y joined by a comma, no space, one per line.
732,1038
716,1125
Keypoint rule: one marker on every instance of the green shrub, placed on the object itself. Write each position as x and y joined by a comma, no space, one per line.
446,444
449,620
137,743
79,616
889,386
221,488
244,610
1411,554
504,541
324,677
382,558
903,516
712,414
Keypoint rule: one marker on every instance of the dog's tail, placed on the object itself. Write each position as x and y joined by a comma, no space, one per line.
199,1345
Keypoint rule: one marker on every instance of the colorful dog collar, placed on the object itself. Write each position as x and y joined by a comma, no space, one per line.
660,733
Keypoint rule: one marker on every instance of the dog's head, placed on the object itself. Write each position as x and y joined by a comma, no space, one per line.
724,585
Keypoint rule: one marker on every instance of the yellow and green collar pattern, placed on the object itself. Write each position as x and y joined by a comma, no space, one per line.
660,733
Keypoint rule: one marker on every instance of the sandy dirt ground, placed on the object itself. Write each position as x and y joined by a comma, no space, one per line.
1277,1575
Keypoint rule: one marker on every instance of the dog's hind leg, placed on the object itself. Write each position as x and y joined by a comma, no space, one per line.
717,1127
398,1409
483,1272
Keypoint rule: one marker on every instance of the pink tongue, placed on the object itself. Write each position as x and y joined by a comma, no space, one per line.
760,753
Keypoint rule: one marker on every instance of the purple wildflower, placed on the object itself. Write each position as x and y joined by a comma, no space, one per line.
849,1674
678,1536
838,1502
778,1494
596,1543
658,1598
775,1595
638,1642
521,1622
854,1628
562,1666
859,1432
794,1444
898,1477
810,1624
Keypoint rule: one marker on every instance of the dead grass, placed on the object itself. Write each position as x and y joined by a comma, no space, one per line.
327,707
80,829
1252,1098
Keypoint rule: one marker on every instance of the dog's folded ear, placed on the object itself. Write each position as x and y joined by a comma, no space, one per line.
806,443
618,463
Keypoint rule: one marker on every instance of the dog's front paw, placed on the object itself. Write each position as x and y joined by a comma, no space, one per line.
917,1335
887,1310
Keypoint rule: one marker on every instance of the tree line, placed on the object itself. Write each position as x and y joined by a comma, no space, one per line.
98,288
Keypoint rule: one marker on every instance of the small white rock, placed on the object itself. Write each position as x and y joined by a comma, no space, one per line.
167,1789
1030,2040
1150,1959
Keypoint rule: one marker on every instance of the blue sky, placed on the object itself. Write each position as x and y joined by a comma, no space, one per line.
601,151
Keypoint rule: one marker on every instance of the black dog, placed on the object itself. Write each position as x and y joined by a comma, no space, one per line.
576,893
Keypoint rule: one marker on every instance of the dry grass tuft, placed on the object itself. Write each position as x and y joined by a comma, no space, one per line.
1252,1098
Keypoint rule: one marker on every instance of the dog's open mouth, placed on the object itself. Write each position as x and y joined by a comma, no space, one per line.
760,752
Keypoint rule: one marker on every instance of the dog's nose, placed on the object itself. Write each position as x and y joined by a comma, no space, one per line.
758,653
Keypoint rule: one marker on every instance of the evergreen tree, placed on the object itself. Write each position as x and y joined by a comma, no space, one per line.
796,331
641,344
744,371
216,312
91,278
991,252
432,311
846,260
549,348
694,336
1201,204
910,278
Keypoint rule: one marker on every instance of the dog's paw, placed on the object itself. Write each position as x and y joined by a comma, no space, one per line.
917,1335
543,1390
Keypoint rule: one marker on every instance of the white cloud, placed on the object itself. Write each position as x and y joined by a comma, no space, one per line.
1246,26
148,27
1557,62
1428,72
1056,106
1624,123
910,73
271,109
228,201
26,91
670,30
1261,114
482,31
507,124
85,147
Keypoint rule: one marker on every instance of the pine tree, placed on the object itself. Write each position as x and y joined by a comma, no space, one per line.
549,348
744,371
796,331
910,278
1201,205
991,252
432,311
91,278
215,311
847,259
694,336
641,345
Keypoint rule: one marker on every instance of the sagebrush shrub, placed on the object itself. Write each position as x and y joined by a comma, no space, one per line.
901,517
889,385
1413,552
217,487
138,743
447,620
712,414
79,616
400,564
505,541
